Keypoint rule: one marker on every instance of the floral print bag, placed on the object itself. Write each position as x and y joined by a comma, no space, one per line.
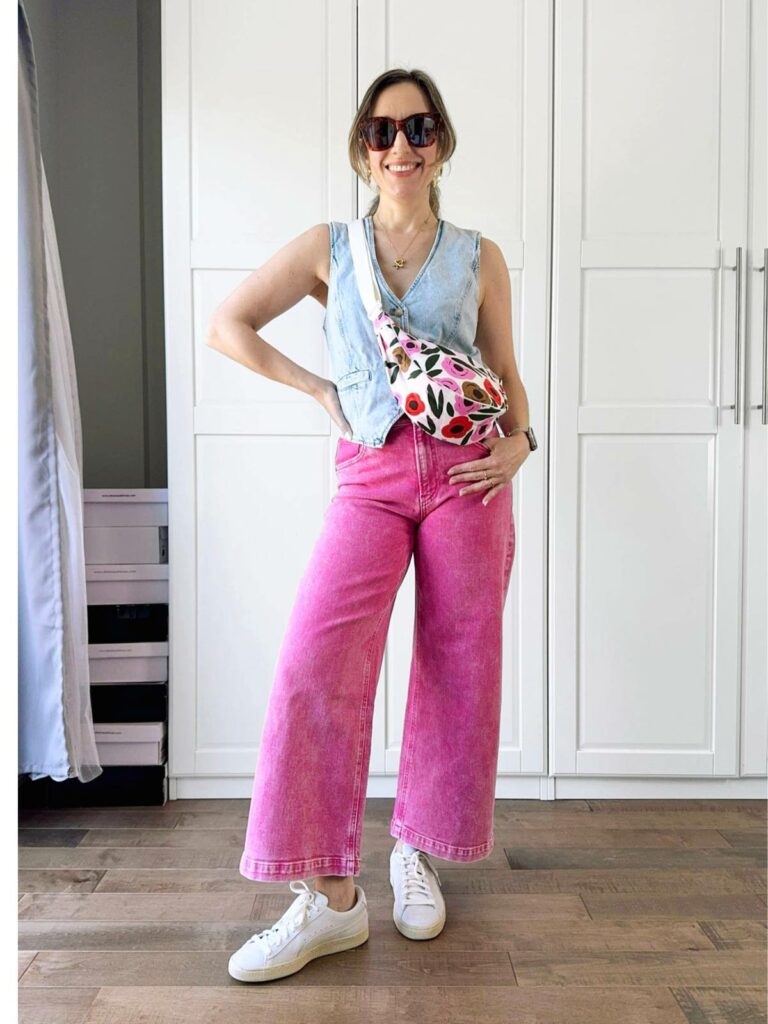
448,394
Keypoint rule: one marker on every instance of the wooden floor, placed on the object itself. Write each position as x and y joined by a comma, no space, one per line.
586,912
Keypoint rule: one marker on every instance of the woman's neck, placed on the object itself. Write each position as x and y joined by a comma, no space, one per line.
401,221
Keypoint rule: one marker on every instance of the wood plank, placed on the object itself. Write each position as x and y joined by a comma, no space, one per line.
710,881
51,836
735,934
25,958
61,880
166,816
502,857
744,907
537,934
55,1005
722,1006
745,837
672,838
759,808
720,968
128,907
526,858
289,1001
365,964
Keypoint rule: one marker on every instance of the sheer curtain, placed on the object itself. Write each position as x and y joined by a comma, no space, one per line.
56,736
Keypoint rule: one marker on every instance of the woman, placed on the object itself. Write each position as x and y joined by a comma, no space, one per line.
401,492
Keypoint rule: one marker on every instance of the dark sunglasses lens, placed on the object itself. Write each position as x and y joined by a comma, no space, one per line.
421,130
379,133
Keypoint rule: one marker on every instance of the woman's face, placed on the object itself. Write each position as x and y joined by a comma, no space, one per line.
400,101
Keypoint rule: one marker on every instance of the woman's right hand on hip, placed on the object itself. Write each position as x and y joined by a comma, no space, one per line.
328,397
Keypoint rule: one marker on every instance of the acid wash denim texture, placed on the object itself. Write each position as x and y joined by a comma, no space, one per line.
393,501
440,306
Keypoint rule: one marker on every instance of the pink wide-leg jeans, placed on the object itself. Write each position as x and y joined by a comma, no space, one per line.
308,799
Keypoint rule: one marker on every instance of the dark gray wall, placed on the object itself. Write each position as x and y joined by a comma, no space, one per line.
98,68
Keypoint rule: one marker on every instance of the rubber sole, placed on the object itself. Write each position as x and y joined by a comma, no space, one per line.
292,966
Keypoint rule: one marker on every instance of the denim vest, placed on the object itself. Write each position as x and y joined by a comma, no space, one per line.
440,306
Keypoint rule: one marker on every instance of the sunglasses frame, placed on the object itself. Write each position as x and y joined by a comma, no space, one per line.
398,125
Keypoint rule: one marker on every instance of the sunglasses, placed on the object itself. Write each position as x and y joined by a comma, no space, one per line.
420,130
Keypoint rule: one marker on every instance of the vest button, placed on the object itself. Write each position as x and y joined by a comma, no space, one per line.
398,311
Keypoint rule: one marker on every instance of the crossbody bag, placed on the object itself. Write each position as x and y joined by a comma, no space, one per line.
450,395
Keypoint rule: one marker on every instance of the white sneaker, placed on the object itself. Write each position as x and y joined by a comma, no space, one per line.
419,911
309,928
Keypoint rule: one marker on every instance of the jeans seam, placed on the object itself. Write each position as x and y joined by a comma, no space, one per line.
509,556
352,831
268,867
402,802
420,474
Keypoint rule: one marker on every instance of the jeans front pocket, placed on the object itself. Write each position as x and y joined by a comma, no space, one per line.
480,445
348,452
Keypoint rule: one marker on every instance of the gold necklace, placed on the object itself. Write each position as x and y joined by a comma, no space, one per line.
400,261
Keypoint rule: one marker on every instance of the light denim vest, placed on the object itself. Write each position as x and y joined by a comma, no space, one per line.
440,306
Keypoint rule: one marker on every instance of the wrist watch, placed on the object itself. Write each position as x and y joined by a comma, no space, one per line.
528,431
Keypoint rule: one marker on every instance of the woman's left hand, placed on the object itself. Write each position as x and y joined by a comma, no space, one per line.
494,471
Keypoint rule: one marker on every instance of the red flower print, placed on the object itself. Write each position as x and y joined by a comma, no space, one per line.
459,426
413,404
493,392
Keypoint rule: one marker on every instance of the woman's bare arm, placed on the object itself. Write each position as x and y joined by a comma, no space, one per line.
299,269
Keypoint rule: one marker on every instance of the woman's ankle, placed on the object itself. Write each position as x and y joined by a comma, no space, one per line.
340,891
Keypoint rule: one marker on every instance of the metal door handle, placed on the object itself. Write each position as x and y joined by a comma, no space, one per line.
737,368
764,396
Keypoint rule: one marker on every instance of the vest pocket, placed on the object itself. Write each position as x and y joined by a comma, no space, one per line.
349,389
353,379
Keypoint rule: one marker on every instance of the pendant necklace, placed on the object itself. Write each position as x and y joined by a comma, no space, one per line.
400,261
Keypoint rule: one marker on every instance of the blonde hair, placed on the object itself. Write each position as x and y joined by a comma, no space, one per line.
446,136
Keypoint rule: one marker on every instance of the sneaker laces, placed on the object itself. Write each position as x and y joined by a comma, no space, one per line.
292,920
415,882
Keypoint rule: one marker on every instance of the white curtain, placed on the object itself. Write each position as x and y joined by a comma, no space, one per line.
56,736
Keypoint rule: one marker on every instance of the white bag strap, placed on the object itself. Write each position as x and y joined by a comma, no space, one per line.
366,278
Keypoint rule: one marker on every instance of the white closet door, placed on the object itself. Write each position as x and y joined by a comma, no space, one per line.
493,67
252,156
754,705
651,118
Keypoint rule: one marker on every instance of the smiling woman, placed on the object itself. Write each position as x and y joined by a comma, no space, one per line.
403,493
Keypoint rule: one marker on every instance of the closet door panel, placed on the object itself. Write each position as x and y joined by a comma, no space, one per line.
650,169
494,71
754,705
252,157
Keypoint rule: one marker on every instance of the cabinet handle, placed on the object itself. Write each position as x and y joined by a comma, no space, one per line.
737,368
764,396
